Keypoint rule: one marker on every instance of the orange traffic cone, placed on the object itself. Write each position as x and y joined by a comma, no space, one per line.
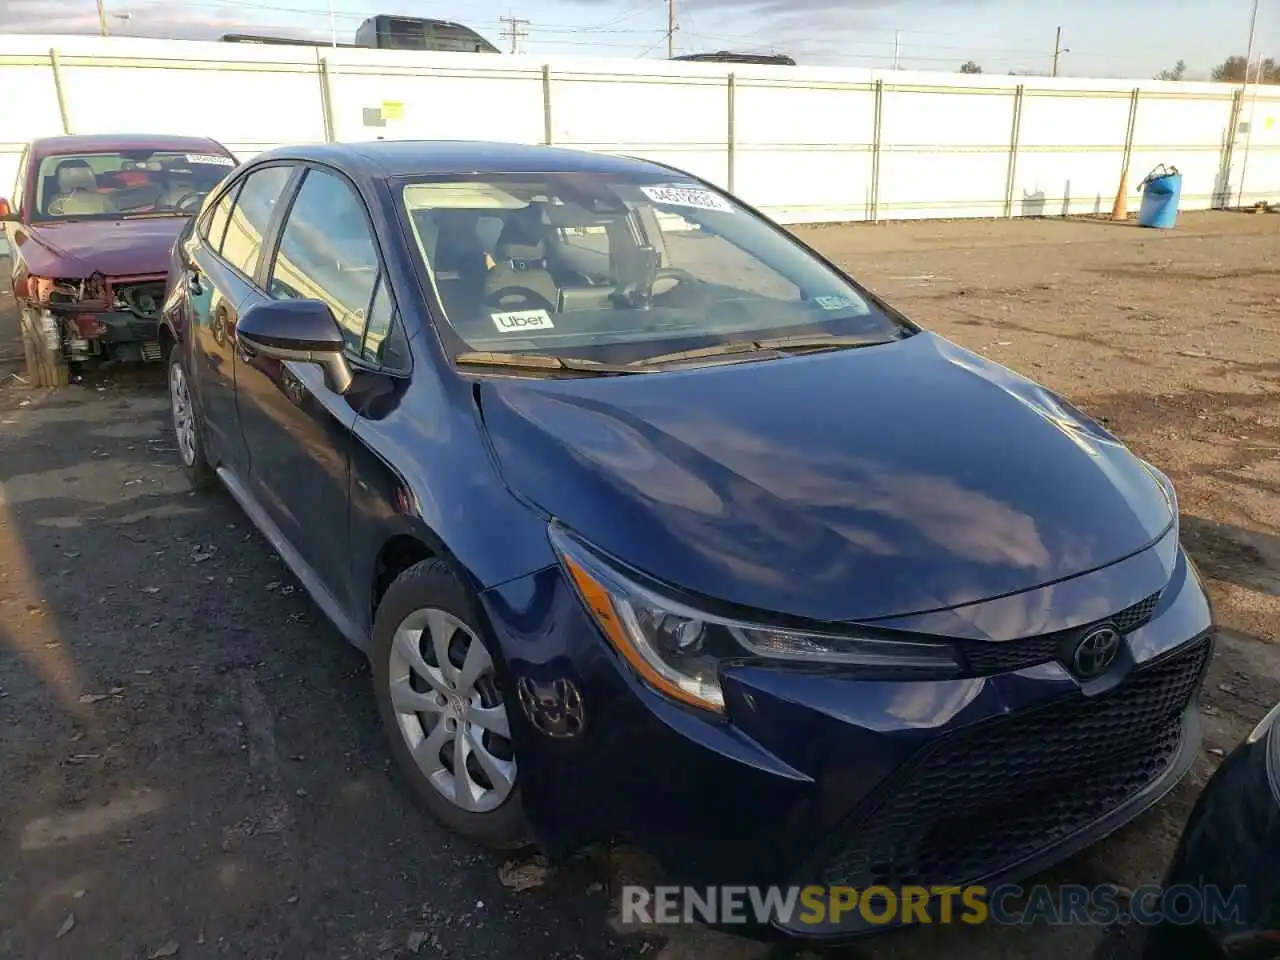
1120,209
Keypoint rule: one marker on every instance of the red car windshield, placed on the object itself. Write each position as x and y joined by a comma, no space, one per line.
110,185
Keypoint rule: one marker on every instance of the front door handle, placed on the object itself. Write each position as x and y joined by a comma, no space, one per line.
194,286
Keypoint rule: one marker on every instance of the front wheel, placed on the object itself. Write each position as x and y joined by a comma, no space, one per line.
186,426
443,706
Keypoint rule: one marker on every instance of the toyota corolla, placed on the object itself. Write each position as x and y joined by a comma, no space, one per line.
654,523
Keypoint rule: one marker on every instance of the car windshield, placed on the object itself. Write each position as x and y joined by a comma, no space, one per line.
110,185
622,270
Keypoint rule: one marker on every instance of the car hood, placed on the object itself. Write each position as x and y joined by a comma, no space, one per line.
850,485
114,248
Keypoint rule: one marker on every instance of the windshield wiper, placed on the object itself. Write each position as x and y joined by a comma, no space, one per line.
816,341
547,362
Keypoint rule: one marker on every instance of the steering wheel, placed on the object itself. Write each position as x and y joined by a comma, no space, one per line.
187,198
533,300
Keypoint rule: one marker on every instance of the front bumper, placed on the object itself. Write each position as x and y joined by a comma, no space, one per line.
124,335
820,778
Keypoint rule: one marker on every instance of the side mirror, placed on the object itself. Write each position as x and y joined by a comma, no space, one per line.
6,211
300,330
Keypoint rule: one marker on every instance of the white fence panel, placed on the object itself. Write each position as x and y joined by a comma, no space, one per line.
1070,151
803,144
28,105
803,151
397,96
945,151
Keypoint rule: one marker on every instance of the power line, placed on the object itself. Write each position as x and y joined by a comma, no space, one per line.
515,31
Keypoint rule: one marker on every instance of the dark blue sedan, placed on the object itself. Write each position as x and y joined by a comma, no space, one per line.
654,523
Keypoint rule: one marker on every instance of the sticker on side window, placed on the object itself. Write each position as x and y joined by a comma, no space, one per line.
210,158
687,197
517,320
834,303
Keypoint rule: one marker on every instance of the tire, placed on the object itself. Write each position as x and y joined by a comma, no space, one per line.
425,611
188,429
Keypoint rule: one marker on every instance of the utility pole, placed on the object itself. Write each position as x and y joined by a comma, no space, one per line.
671,28
1248,137
897,47
102,17
1248,54
333,27
515,30
1057,51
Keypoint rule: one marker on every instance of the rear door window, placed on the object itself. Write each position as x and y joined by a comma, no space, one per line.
254,207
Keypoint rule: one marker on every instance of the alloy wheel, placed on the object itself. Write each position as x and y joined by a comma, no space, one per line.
443,688
184,426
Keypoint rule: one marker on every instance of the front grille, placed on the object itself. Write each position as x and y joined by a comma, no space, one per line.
151,351
988,797
984,657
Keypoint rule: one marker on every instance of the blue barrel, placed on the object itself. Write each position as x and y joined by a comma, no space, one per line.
1161,191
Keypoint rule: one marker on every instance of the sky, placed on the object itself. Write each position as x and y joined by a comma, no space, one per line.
1100,38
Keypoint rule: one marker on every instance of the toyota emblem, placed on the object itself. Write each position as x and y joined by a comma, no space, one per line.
1096,652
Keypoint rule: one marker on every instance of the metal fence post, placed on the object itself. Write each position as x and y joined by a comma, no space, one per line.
326,101
56,65
731,141
546,104
878,122
1015,139
1222,190
1129,134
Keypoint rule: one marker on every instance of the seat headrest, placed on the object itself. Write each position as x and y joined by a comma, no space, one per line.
521,239
76,176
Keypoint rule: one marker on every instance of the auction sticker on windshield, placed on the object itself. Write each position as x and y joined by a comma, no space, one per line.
517,320
210,159
687,197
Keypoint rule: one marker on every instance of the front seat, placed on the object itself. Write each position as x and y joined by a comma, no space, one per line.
520,280
77,192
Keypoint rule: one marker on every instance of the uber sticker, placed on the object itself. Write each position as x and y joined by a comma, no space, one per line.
518,320
687,197
210,159
834,303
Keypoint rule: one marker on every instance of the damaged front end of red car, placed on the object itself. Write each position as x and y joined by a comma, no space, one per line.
97,318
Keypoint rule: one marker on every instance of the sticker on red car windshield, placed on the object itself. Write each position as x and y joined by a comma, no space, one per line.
515,321
697,197
210,158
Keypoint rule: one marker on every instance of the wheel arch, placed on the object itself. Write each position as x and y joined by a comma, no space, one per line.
402,547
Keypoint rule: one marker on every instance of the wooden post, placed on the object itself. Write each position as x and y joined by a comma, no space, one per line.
42,347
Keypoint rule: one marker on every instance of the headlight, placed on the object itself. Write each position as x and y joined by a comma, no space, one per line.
1166,486
1264,725
678,650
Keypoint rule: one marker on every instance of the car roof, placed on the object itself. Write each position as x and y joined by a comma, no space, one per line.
111,142
386,159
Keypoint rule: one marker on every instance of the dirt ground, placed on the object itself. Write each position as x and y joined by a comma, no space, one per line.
191,759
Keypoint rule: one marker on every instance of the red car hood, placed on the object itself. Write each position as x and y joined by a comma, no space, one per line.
114,248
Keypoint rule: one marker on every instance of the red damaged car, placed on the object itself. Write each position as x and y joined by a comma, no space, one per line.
90,225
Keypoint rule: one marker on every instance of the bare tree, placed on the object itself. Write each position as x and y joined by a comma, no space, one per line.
1232,70
970,67
1179,72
